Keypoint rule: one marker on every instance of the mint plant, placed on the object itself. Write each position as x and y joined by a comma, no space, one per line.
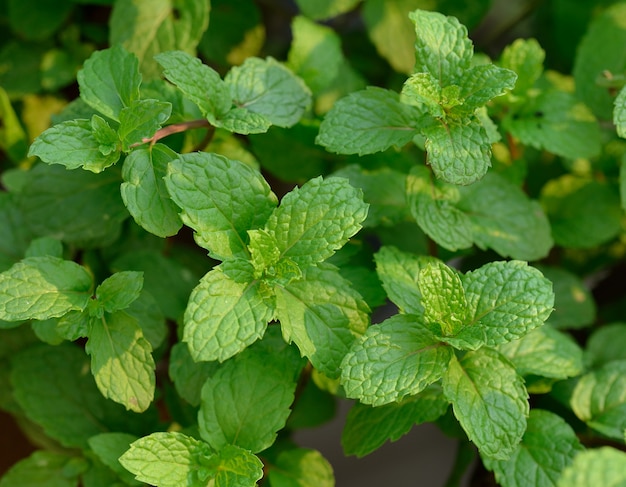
202,220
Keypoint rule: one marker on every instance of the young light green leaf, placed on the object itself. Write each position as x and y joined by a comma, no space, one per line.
247,400
443,297
599,466
200,83
144,192
367,428
424,88
232,467
315,220
368,121
605,345
396,358
165,459
268,88
301,467
141,119
109,447
548,446
399,273
221,199
223,316
599,399
442,47
489,400
619,113
322,314
508,299
105,136
458,152
41,468
264,252
73,144
119,290
43,287
525,57
242,121
109,81
545,352
121,360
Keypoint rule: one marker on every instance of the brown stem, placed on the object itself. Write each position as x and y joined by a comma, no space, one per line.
174,129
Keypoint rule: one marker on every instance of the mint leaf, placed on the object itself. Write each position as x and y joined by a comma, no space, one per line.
145,309
599,399
367,428
199,83
508,299
394,359
325,9
148,28
482,83
242,121
489,400
109,81
459,153
73,144
73,325
188,375
233,466
605,345
44,246
322,314
368,121
424,88
118,291
399,273
144,192
121,361
525,57
315,220
220,199
41,468
301,467
557,122
269,89
548,446
43,287
13,139
105,136
247,400
109,447
600,466
442,47
14,235
165,459
545,352
443,297
619,113
224,316
141,120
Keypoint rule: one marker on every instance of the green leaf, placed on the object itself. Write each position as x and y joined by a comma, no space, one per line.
482,83
233,467
557,122
322,314
548,446
165,459
600,466
224,316
118,291
574,222
144,192
148,27
109,81
199,83
73,144
145,309
325,9
599,399
442,47
619,113
121,361
525,57
599,51
315,220
368,121
41,468
396,358
267,88
109,447
43,287
44,246
141,120
424,88
367,428
399,273
545,352
221,200
315,53
443,297
104,135
301,467
189,376
14,235
13,138
489,400
459,153
247,400
605,345
508,299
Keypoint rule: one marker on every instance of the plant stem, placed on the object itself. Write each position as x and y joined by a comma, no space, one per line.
176,128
